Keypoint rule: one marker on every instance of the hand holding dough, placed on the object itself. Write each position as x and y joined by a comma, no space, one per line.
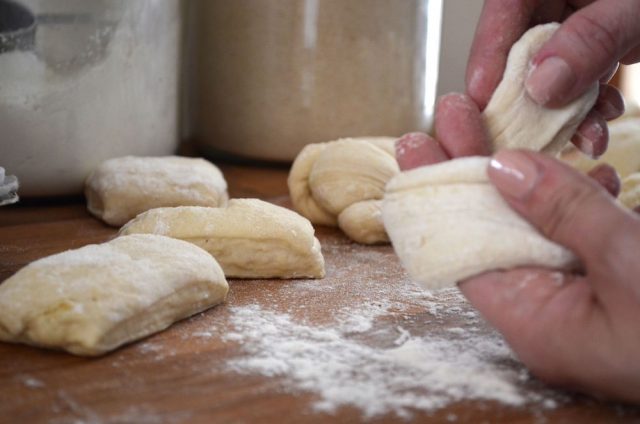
447,222
327,179
121,188
249,238
515,121
91,300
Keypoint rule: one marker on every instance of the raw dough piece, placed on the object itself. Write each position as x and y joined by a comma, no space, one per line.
362,222
630,191
623,152
121,188
327,178
517,122
249,238
448,223
91,300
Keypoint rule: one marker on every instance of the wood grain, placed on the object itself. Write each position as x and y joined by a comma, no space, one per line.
175,377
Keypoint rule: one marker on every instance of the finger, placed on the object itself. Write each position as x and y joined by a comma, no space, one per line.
418,149
592,136
460,127
550,11
535,310
571,209
610,103
582,51
610,73
488,55
607,177
632,57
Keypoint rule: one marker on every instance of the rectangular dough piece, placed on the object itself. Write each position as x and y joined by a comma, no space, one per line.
249,238
94,299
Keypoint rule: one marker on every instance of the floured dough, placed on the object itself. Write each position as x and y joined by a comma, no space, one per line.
447,223
91,300
249,238
328,178
515,121
630,191
362,222
121,188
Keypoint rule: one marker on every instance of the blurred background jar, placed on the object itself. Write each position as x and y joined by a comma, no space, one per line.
88,81
271,76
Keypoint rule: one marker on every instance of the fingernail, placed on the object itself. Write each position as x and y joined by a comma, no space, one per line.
585,145
609,111
513,173
550,80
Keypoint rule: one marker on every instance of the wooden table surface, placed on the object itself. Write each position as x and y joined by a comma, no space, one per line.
176,376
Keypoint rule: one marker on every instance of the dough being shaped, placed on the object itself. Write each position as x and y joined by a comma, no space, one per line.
249,238
515,121
94,299
327,178
623,152
362,222
121,188
630,191
448,222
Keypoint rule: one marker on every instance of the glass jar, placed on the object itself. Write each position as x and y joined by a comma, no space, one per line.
273,75
100,80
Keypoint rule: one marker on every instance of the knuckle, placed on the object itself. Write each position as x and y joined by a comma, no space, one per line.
594,35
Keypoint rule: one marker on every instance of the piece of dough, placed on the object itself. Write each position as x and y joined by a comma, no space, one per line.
623,152
91,300
630,191
515,121
448,223
121,188
327,178
249,238
362,222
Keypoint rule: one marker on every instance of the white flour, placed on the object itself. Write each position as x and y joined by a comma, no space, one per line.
416,372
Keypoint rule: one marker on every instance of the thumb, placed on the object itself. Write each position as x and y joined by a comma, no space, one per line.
567,207
583,50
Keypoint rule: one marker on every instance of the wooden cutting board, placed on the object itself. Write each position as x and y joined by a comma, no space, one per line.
190,372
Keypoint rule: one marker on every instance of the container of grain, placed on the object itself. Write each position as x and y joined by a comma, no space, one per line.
100,80
270,76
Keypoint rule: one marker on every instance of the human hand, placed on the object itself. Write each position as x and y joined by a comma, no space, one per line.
594,37
577,331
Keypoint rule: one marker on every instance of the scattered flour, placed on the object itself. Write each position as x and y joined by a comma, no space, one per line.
415,372
32,382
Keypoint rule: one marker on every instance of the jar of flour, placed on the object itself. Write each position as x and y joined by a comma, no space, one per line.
99,80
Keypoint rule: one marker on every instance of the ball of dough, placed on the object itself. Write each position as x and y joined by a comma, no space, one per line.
515,121
91,300
327,178
121,188
447,222
249,238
